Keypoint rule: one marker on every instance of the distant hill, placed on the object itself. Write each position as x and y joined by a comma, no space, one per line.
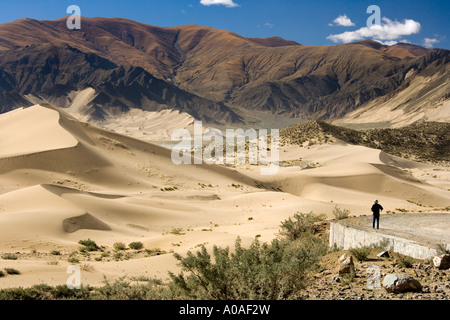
427,142
215,75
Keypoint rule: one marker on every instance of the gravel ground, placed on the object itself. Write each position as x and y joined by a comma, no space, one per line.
323,285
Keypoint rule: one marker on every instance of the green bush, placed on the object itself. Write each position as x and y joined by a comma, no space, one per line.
177,231
45,292
55,252
118,246
340,214
136,245
293,228
155,252
361,253
262,272
88,245
9,256
404,261
118,256
382,244
73,260
12,271
123,290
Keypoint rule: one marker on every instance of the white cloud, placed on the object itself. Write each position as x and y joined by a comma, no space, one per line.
270,25
226,3
389,30
430,42
387,43
342,21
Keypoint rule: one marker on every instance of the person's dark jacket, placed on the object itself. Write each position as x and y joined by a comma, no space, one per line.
376,209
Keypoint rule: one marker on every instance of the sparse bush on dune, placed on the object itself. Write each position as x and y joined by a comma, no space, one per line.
177,231
73,260
9,256
119,246
88,245
45,292
136,245
12,271
124,290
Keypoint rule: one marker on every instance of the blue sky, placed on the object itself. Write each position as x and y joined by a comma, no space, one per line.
317,22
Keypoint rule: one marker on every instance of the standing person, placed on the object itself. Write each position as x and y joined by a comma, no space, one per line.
376,209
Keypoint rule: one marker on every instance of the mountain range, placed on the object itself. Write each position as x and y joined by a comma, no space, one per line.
218,76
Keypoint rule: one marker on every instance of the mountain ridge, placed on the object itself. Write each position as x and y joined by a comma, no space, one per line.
215,75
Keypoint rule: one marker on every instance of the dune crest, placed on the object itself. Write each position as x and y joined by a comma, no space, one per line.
32,130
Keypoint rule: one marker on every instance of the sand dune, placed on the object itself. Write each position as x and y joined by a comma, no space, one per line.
31,130
62,181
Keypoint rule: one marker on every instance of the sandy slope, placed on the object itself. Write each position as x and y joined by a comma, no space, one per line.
62,181
139,124
427,107
31,130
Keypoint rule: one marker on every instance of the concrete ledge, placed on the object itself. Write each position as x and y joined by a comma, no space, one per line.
415,235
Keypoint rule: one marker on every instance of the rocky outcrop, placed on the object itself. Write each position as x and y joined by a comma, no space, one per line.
346,265
400,283
442,261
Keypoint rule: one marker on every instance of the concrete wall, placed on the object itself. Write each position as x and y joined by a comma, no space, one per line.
347,237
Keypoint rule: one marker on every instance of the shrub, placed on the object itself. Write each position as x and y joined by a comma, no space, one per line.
12,271
88,245
118,246
177,231
293,228
361,253
442,249
55,252
45,292
9,256
264,271
155,252
136,245
340,214
63,292
404,261
118,255
73,260
382,244
123,290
